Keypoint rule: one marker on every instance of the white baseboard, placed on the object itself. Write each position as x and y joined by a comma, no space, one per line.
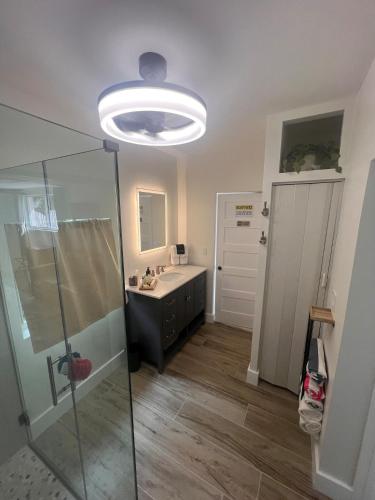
53,413
252,376
210,318
325,483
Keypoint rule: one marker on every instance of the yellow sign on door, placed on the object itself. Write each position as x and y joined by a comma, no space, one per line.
242,210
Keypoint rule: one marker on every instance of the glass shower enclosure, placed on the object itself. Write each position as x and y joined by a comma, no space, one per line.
62,287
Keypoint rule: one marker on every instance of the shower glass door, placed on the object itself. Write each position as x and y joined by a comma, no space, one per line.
62,283
31,297
82,192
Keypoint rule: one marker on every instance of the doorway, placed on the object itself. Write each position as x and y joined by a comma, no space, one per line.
237,246
301,236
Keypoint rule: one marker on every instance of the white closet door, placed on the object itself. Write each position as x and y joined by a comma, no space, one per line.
300,244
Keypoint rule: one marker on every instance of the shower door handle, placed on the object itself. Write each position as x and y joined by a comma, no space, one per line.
52,380
71,385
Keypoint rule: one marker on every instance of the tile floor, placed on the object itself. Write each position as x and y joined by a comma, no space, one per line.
25,477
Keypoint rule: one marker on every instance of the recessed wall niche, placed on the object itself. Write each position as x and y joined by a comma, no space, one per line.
311,143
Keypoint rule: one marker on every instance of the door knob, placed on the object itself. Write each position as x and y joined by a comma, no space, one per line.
219,268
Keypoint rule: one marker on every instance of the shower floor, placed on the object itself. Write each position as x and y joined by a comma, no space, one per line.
24,476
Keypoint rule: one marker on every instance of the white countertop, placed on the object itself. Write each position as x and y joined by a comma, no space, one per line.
163,288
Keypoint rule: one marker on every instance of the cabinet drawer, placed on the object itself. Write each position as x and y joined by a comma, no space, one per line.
170,304
169,320
169,335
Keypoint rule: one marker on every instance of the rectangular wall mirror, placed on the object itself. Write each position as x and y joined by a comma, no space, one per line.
151,220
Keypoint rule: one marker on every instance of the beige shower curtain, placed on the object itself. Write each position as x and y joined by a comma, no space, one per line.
88,270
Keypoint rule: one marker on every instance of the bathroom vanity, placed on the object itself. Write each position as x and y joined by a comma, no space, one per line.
162,320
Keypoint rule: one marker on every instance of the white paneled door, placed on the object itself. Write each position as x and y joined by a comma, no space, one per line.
237,246
302,228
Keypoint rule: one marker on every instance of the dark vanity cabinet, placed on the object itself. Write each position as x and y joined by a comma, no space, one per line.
162,326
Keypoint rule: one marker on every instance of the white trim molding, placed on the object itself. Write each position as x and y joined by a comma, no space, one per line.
252,376
325,483
210,318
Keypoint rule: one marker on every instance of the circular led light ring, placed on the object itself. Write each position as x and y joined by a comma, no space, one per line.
168,99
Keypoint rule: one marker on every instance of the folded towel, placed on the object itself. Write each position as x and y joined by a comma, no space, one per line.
313,403
308,412
310,427
313,389
316,366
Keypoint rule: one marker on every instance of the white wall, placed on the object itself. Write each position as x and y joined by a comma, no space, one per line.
236,166
146,168
350,346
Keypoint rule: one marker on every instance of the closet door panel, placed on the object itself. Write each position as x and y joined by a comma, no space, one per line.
283,260
300,243
319,202
292,264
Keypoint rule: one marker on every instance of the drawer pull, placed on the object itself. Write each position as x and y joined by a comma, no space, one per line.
171,302
172,318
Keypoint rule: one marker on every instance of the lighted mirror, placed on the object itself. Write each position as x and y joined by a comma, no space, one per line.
151,220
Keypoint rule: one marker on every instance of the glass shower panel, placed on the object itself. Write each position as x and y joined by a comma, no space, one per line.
32,302
82,192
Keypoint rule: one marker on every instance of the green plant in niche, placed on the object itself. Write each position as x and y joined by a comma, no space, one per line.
326,156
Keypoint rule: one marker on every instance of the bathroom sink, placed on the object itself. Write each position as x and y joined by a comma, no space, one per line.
172,276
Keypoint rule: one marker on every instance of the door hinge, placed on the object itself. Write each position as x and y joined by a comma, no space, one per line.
24,419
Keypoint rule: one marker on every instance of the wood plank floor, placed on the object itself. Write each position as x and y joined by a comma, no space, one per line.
201,432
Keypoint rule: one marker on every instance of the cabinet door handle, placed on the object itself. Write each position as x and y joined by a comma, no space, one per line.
172,318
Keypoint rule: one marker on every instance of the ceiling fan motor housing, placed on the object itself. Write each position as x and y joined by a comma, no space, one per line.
152,67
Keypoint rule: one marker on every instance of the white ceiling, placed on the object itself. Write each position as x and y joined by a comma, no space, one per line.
25,139
246,58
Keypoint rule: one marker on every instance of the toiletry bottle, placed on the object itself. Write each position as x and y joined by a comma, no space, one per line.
148,272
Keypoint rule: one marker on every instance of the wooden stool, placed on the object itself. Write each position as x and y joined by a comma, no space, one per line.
322,315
